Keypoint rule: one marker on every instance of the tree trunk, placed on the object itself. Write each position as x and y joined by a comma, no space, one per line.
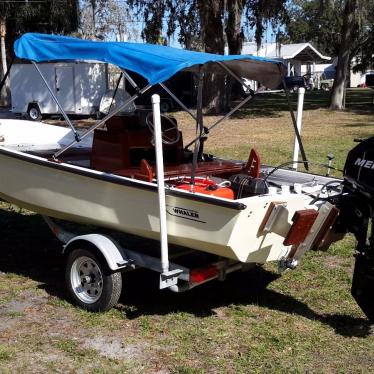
235,38
342,69
5,90
211,18
93,5
233,30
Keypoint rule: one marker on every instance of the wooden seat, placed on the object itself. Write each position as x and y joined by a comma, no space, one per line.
126,149
123,146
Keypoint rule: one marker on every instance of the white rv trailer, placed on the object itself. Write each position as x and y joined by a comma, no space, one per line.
78,86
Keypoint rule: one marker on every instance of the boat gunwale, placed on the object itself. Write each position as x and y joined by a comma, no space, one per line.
116,179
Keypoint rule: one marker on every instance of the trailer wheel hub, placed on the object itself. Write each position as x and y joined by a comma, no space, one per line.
86,279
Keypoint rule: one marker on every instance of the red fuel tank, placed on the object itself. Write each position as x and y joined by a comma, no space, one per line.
207,187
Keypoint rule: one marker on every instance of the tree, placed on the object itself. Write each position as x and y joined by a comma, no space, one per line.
234,30
6,10
49,16
213,21
106,19
207,25
261,12
340,28
356,35
348,37
363,53
58,16
212,32
315,21
184,14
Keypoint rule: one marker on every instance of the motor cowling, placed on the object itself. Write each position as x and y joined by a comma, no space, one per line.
356,211
359,168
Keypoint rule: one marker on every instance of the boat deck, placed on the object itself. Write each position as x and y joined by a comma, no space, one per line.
125,148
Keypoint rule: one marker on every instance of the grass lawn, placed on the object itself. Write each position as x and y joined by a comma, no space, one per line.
260,322
266,125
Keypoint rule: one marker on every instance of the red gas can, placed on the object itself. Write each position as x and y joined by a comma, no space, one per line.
206,186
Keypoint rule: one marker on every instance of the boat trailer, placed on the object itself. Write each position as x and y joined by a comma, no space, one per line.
92,257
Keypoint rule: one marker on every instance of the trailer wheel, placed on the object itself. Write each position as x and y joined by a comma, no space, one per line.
90,283
33,113
165,106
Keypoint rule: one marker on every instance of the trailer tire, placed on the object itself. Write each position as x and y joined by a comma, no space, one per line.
33,113
90,283
165,106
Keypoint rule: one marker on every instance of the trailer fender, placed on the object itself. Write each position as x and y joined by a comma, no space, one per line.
112,252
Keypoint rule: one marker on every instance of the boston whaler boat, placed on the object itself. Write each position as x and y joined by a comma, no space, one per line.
132,174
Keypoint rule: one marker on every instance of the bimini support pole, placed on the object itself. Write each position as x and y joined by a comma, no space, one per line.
178,101
160,183
238,79
101,122
76,135
199,126
167,278
299,118
115,91
206,131
297,133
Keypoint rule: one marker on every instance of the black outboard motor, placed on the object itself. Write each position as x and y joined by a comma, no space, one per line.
356,213
359,168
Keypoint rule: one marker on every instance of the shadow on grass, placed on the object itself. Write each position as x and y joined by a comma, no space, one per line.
359,124
238,289
27,248
358,101
273,104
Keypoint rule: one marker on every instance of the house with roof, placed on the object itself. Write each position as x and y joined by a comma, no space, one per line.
300,58
303,58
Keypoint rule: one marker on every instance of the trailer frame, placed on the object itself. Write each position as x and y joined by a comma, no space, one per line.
117,258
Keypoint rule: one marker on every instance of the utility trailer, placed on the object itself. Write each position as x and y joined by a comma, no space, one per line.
78,86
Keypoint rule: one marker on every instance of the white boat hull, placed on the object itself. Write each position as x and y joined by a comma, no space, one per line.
223,227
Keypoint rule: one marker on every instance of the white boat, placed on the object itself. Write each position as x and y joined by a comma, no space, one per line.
71,190
107,177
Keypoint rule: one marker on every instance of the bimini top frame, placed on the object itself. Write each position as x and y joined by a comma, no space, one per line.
155,63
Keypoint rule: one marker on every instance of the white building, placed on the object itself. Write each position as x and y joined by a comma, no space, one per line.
301,58
357,79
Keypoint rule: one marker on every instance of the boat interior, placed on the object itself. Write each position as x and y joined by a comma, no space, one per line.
125,147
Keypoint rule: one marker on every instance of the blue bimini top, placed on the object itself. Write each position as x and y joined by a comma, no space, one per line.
154,62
